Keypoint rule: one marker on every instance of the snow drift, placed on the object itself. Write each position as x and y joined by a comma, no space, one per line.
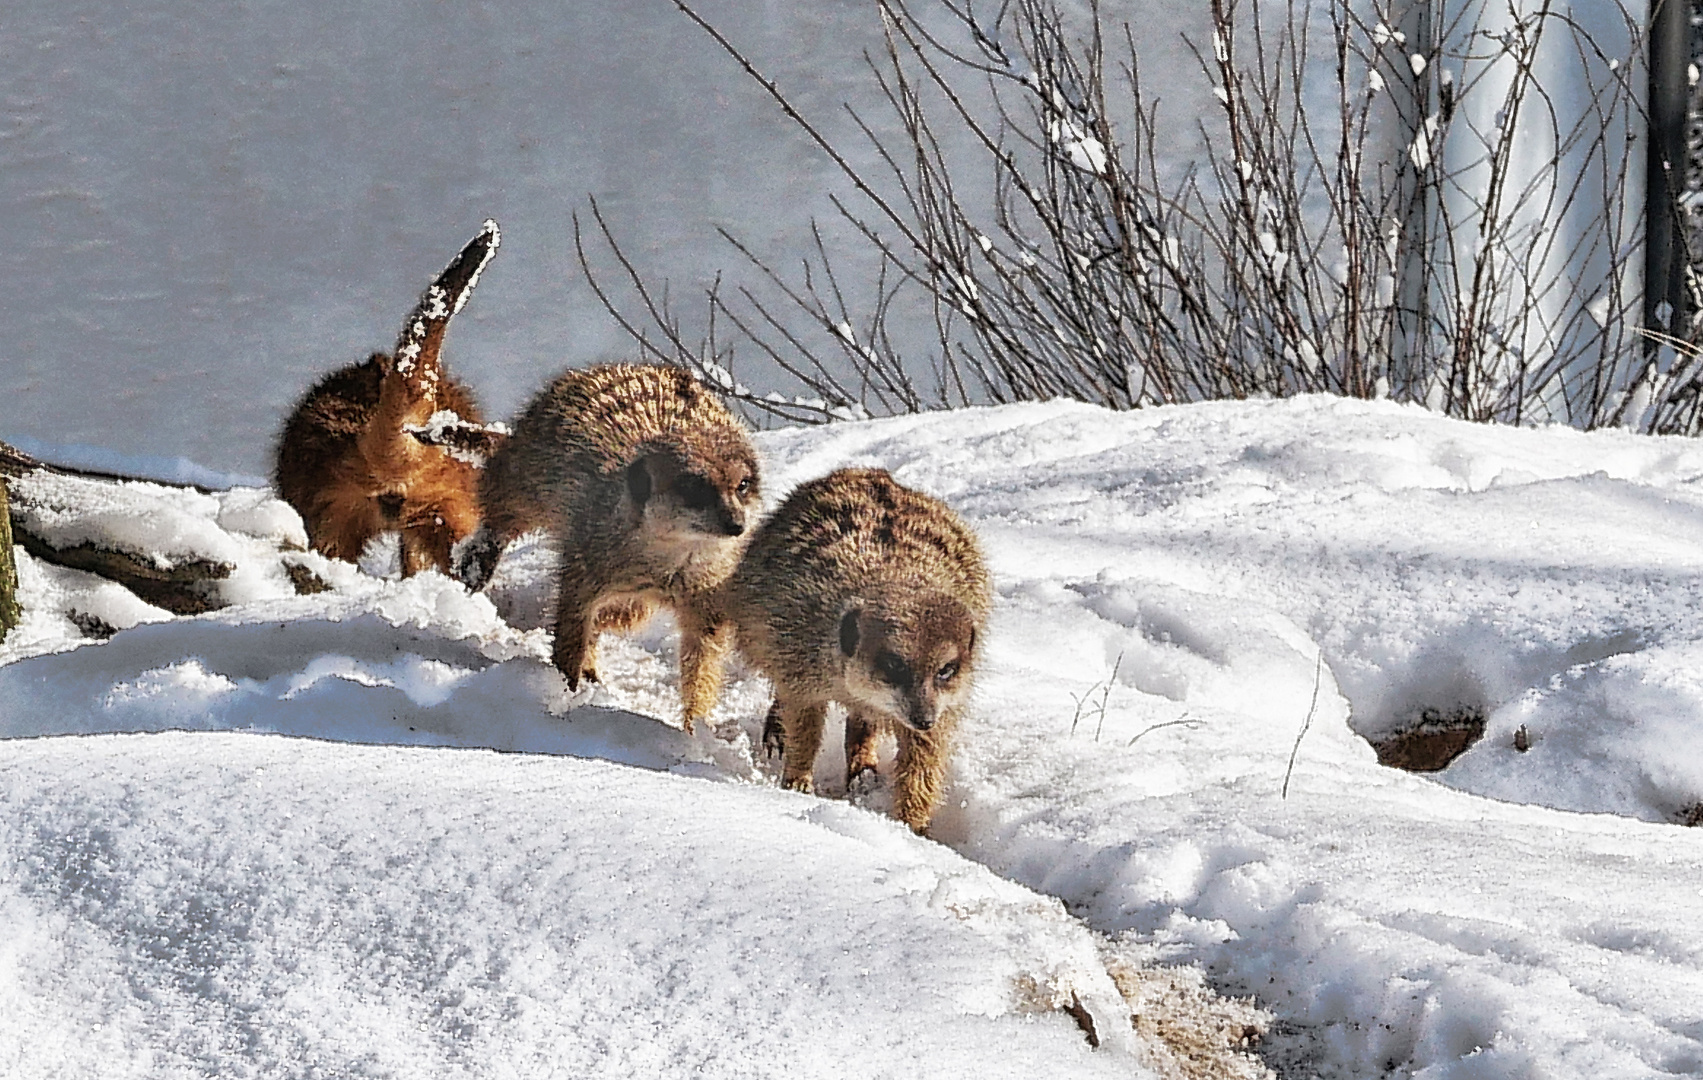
1189,598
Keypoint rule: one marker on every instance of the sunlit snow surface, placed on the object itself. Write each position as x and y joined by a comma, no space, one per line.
620,899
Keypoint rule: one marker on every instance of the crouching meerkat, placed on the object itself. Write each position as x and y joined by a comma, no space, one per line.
862,591
649,485
352,459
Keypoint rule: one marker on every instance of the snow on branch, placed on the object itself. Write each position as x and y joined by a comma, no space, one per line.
174,546
462,439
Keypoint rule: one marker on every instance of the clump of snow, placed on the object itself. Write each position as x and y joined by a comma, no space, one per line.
381,556
1625,715
457,436
242,529
258,513
61,605
1079,147
443,424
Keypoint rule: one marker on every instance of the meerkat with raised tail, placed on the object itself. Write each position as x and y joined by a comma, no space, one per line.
354,458
649,486
861,591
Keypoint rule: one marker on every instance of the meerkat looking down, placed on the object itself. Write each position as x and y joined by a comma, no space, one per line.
353,458
862,591
648,484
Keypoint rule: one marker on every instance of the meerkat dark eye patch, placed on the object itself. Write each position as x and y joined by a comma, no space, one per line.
893,669
638,481
696,493
848,632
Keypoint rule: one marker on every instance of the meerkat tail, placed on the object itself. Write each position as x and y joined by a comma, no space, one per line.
418,346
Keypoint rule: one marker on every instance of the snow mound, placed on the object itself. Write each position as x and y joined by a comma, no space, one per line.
1168,582
1201,612
234,905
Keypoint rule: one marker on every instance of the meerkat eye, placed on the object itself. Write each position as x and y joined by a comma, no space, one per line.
745,486
947,673
892,669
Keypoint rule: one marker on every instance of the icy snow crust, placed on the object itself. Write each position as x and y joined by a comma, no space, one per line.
620,899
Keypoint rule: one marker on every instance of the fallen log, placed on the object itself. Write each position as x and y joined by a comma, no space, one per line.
8,569
181,589
184,584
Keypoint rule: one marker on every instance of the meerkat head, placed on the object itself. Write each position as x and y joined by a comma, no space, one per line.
909,661
699,482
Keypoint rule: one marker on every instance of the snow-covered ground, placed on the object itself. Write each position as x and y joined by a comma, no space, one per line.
318,865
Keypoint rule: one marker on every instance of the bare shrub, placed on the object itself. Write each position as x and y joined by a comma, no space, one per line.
1385,208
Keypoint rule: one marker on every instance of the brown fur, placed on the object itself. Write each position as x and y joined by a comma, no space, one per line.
649,485
346,460
351,472
862,591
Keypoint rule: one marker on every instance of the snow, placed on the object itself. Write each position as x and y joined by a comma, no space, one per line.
1080,148
447,428
174,525
291,907
370,829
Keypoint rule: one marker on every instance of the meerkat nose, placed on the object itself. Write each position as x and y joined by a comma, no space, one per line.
921,717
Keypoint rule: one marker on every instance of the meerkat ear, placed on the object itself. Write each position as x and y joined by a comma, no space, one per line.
848,631
638,481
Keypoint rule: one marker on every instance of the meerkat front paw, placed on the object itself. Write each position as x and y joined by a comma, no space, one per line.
473,558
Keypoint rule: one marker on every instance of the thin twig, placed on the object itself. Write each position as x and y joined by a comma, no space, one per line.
1385,233
1318,679
1186,721
1106,694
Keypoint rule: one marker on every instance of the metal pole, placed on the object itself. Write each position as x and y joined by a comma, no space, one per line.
1410,346
1665,307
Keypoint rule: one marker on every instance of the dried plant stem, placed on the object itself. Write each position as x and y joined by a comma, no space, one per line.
1312,708
1392,237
